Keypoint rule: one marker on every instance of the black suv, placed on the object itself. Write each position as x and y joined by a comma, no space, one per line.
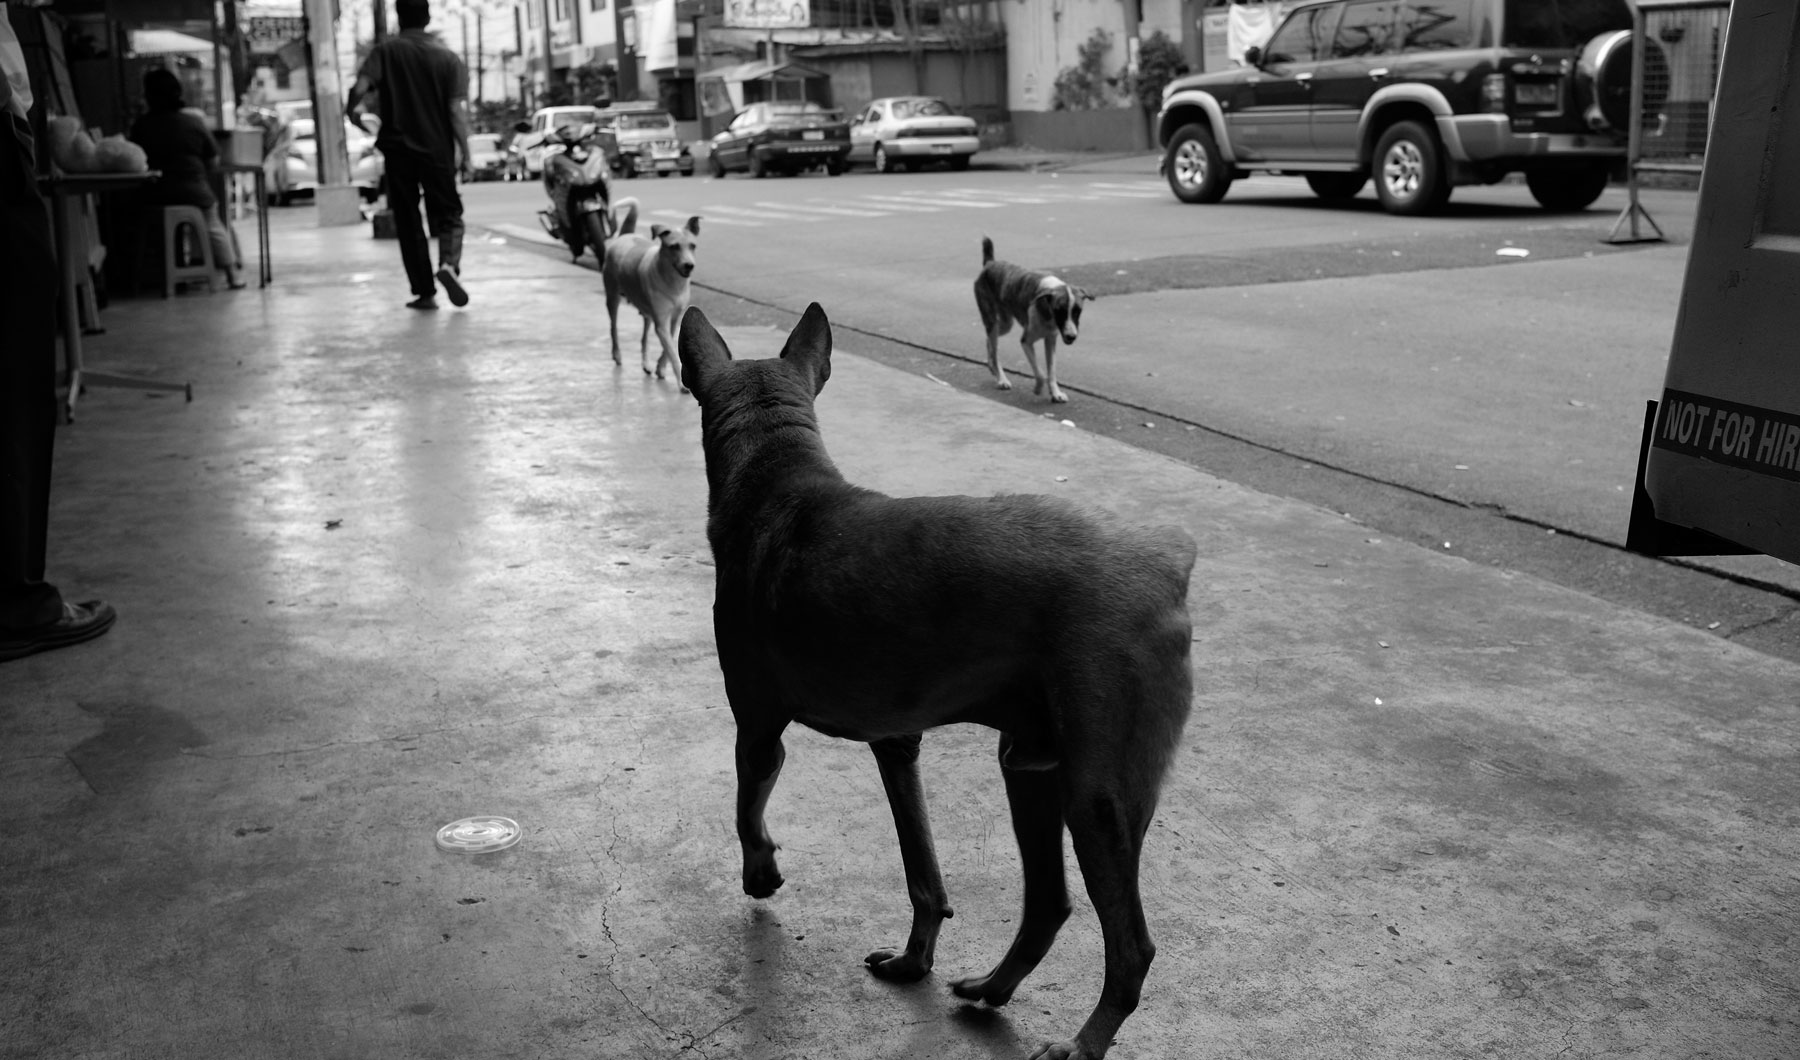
1425,95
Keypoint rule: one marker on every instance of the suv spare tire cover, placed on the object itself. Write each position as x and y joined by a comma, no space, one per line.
1605,74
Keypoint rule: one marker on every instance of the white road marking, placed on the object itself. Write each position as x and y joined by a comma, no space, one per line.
833,211
782,214
1011,198
917,199
528,235
711,218
895,204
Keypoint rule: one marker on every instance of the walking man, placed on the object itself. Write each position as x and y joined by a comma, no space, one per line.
420,93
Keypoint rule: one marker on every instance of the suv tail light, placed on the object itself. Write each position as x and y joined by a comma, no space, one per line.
1493,93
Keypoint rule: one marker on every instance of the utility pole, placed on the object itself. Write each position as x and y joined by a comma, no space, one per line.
337,200
480,57
544,49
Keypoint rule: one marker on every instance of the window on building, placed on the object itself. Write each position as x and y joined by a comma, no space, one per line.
596,5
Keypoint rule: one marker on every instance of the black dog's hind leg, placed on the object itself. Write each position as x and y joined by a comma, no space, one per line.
1107,830
898,758
1035,798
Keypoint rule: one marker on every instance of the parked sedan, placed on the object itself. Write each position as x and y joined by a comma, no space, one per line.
912,131
782,137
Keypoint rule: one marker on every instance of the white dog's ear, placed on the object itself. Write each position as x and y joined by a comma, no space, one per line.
693,225
809,346
703,352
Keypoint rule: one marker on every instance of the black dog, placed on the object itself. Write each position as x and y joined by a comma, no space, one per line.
874,618
1043,306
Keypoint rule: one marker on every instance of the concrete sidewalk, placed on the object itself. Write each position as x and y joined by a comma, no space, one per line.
389,570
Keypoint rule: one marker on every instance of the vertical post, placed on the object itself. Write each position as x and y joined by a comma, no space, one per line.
544,51
218,23
1634,143
337,200
379,9
480,57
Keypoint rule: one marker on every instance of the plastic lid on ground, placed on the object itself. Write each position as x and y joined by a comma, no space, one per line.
479,835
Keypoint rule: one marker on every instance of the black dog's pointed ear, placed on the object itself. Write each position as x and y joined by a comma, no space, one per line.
809,346
703,352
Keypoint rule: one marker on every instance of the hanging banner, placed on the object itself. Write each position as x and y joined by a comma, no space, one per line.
768,14
267,33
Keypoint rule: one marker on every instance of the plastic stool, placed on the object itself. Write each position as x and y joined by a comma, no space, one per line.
173,271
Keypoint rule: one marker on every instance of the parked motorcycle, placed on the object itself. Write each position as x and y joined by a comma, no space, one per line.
578,181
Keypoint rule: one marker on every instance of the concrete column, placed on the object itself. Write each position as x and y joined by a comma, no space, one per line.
337,200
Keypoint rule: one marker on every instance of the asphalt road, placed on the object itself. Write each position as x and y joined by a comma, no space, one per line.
1474,382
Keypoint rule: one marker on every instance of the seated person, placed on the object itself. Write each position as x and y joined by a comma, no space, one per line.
178,143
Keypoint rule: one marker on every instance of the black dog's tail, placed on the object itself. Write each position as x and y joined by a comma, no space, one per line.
987,250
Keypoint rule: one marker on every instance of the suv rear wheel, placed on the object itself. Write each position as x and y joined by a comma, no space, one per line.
1409,170
1195,171
1336,185
1567,188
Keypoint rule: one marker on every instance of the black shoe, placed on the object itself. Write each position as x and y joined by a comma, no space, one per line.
424,301
452,285
79,622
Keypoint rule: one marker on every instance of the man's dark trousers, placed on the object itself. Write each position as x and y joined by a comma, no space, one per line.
410,176
28,293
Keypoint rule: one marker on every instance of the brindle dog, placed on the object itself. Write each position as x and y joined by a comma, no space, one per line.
1043,306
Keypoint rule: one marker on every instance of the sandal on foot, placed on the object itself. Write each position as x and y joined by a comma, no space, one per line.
452,285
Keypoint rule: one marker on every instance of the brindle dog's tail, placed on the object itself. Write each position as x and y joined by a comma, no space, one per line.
987,250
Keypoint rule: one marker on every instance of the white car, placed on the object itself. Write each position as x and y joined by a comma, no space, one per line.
291,167
542,128
912,131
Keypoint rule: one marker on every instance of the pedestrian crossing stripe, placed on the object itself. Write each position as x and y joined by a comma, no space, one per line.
712,218
833,211
896,205
1009,198
918,200
759,212
1138,189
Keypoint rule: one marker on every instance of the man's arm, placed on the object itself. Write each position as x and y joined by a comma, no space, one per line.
459,123
363,89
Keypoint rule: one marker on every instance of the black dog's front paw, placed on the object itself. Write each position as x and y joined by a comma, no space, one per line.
897,967
762,880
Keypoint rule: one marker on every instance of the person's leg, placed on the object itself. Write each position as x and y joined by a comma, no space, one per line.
28,293
443,206
403,176
33,614
224,247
